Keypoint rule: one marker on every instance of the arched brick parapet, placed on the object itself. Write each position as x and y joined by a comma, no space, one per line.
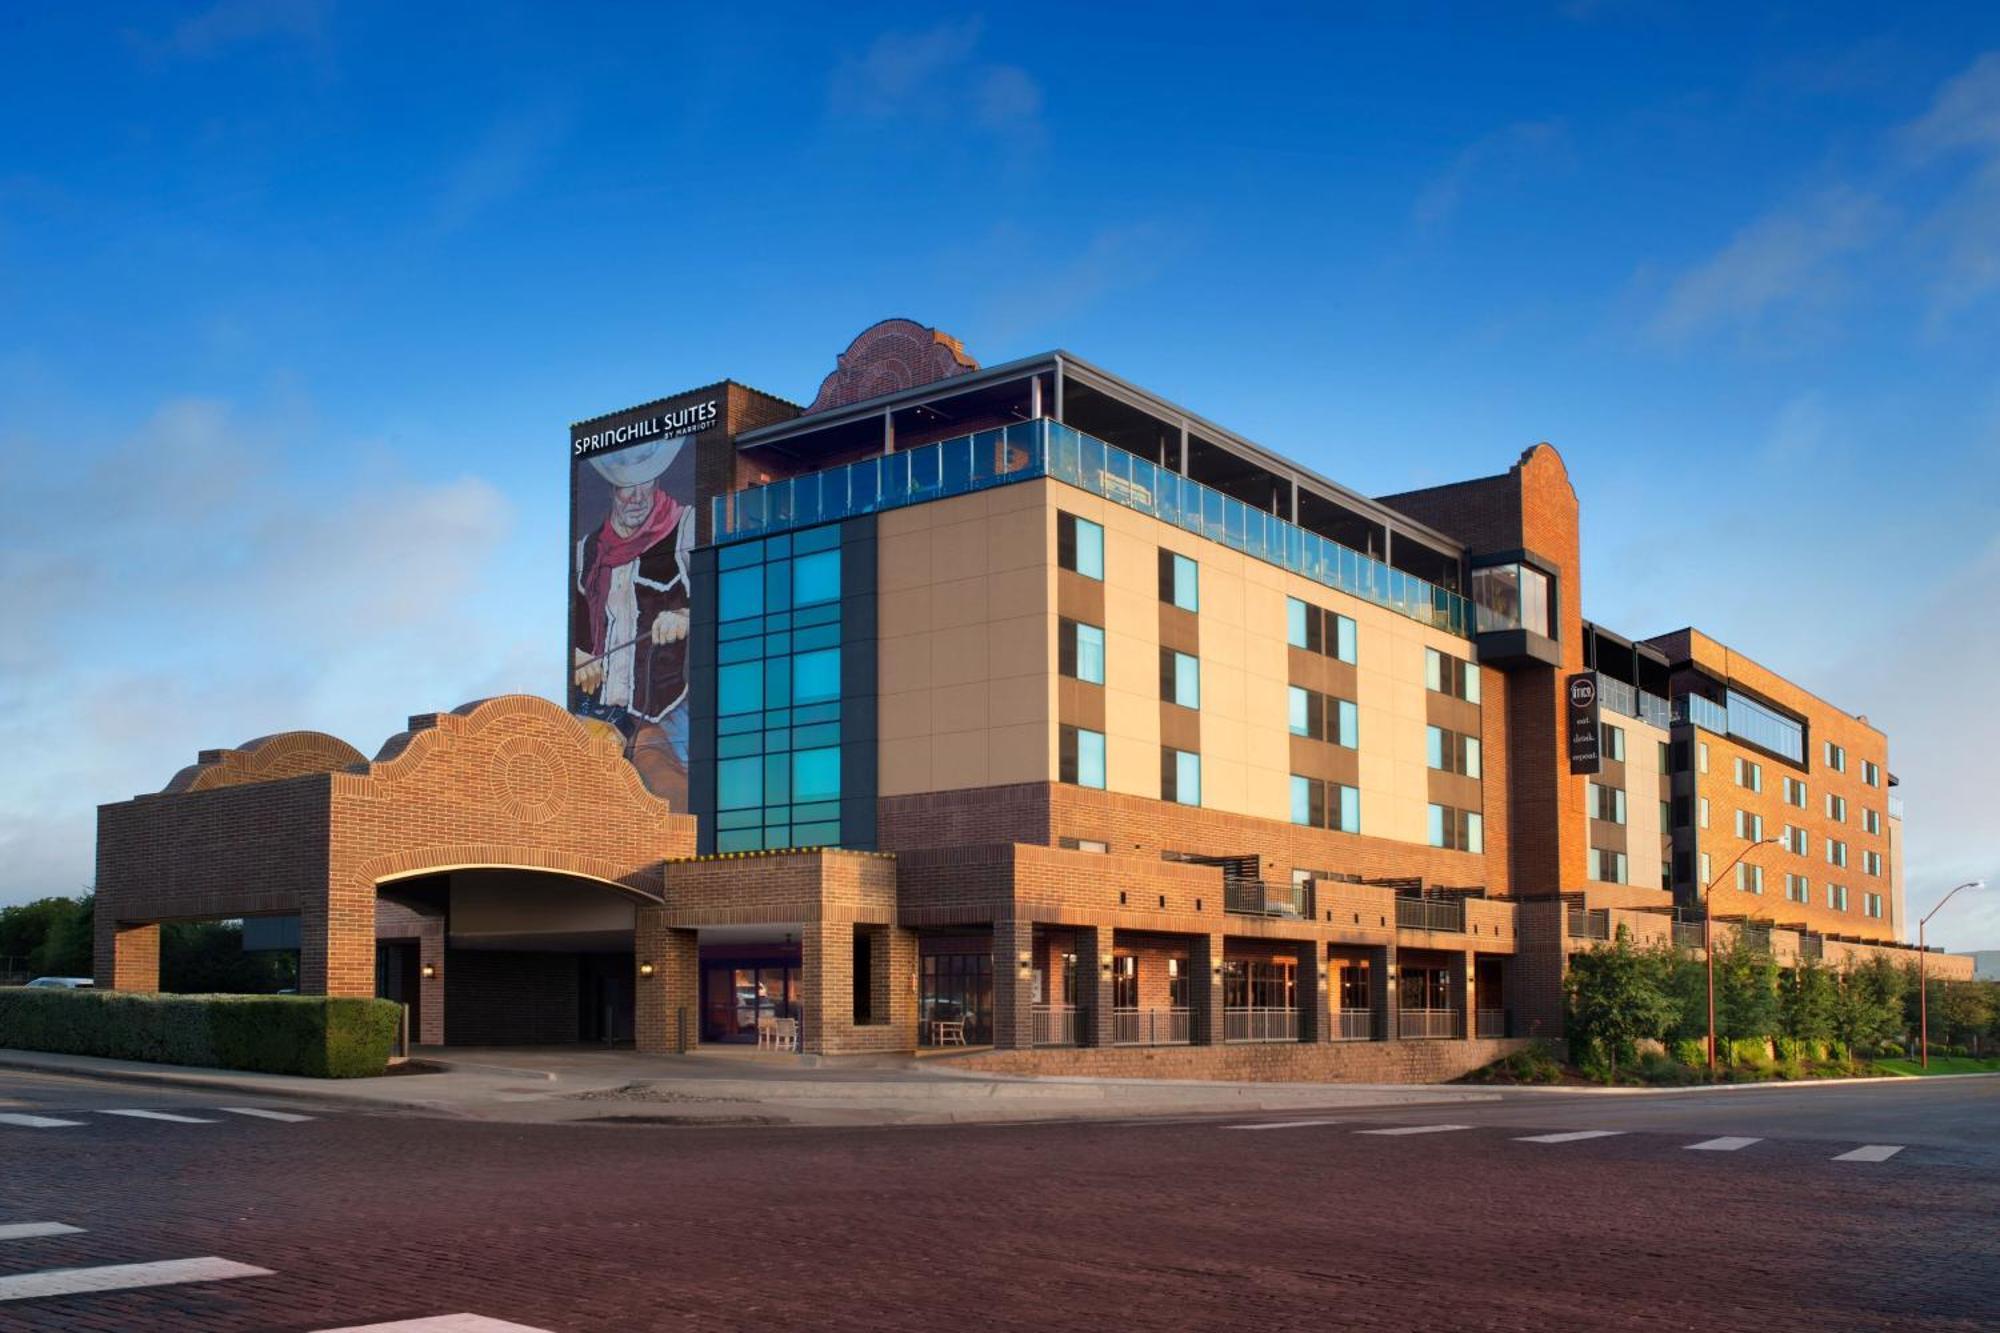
887,356
288,754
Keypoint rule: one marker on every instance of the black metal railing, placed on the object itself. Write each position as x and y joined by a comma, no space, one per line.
1590,923
1263,897
1688,935
1151,1027
1812,946
1754,937
1431,914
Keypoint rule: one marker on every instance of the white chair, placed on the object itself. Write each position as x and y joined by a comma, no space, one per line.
785,1034
767,1032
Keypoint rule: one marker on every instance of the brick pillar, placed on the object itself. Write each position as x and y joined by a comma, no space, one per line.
1014,985
1382,993
1094,1024
826,985
896,982
1464,995
125,957
1205,954
1315,1015
430,984
666,1017
1541,958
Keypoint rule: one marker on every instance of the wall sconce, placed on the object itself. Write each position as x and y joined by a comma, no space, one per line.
1391,971
645,969
1104,966
429,971
1027,962
1215,969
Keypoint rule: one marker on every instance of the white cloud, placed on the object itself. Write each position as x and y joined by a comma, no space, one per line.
936,76
181,589
1786,261
1509,153
513,150
1964,114
229,23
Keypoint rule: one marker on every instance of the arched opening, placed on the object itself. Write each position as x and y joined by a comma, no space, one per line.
508,956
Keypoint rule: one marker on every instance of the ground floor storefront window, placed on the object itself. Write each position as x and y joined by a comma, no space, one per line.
738,993
956,988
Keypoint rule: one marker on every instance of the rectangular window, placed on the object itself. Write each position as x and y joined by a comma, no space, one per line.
1749,878
1460,830
1870,773
1180,776
1836,897
816,774
1701,756
1871,905
1749,774
1836,808
1704,869
1871,819
1449,675
1453,752
1612,740
1871,862
1749,826
1081,756
1607,803
1328,805
816,676
1836,757
1798,889
816,578
1180,678
1607,867
739,688
1080,651
1327,633
1795,793
1666,757
1836,852
1797,840
1080,545
1702,807
1322,717
1180,581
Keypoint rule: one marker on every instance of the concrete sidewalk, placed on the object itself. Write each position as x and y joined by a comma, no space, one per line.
541,1086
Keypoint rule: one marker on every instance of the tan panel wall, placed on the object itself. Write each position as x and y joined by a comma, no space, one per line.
1645,788
967,641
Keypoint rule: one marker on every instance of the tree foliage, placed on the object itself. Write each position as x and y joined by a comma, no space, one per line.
1616,1000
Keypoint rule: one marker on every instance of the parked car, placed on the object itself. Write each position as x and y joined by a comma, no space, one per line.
62,983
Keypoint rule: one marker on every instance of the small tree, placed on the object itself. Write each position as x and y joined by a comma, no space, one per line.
1746,991
1615,1000
1960,1010
1806,1002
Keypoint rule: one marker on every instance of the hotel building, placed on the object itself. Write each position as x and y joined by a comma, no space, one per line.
1020,708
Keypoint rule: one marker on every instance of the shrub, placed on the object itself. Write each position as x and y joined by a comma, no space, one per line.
319,1036
1752,1051
1790,1050
1691,1051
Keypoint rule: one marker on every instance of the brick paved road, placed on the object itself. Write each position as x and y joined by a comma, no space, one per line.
1159,1226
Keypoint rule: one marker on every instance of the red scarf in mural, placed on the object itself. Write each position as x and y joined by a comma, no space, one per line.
614,550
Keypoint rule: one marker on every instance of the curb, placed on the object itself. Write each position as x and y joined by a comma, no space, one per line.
1765,1085
182,1076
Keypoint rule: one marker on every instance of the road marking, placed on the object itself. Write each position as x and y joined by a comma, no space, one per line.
1284,1124
1721,1145
1415,1129
29,1230
1871,1152
37,1121
263,1114
121,1277
162,1115
1574,1136
442,1323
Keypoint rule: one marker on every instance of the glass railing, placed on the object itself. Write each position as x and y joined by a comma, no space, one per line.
1044,448
1895,807
1703,712
1632,701
1761,726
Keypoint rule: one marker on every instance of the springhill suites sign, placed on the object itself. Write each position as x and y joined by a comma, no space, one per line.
688,420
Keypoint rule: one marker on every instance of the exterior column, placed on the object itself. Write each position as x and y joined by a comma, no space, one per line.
430,983
126,957
1094,1022
1014,985
1465,995
666,1010
826,997
1205,990
1382,993
1315,1013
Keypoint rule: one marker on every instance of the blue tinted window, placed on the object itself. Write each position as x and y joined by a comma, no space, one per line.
738,784
1187,590
1295,622
1089,549
816,578
1187,778
816,676
1343,638
1187,681
1090,758
739,688
1301,799
741,593
1350,810
1350,724
1301,720
816,774
1090,654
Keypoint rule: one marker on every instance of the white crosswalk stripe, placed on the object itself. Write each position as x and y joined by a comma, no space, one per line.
29,1230
1284,1124
1871,1152
160,1115
261,1113
122,1277
1415,1129
1573,1136
443,1323
37,1121
1724,1144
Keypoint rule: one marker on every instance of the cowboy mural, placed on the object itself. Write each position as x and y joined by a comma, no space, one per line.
629,612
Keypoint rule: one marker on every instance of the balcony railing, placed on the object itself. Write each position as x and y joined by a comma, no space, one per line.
1491,1022
1150,1027
1430,914
1895,807
1055,1024
1754,937
1427,1024
1263,897
1812,946
1703,712
1688,935
1252,1023
1585,923
1044,448
1632,701
1354,1025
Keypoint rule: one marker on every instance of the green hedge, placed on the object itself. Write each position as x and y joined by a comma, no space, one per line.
274,1034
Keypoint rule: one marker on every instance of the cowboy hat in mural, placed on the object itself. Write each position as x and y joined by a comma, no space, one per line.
629,609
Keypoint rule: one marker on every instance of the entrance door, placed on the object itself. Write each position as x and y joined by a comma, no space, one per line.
734,997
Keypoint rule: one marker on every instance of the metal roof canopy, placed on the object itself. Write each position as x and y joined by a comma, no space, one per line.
1067,366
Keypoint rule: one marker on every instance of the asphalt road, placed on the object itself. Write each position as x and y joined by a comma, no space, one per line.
1737,1209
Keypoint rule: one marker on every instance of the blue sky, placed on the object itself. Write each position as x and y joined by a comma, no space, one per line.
300,297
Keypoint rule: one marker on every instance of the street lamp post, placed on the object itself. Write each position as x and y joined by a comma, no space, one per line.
1923,984
1708,936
